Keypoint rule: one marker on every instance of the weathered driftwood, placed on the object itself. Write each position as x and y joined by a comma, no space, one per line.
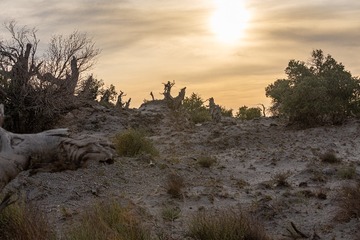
215,110
51,150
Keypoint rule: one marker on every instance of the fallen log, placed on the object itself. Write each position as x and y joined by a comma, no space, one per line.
52,150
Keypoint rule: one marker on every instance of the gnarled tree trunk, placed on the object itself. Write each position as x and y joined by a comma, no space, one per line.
52,150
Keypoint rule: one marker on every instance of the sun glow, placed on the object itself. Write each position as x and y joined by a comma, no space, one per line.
229,20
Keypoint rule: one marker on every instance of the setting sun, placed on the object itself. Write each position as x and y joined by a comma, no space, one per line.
229,20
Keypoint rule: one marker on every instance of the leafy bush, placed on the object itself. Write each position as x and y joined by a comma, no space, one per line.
25,222
226,224
319,92
226,112
133,142
195,107
246,113
108,221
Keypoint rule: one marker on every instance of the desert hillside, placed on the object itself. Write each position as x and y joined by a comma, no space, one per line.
275,173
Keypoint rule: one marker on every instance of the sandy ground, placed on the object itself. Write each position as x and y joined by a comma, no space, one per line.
250,155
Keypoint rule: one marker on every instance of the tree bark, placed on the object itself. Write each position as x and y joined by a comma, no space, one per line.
51,150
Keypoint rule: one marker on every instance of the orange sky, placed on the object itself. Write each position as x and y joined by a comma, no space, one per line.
145,43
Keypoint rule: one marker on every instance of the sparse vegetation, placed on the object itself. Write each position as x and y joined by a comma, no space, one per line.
170,213
174,185
246,113
206,161
24,222
329,157
133,142
225,224
194,105
347,172
280,179
108,221
349,204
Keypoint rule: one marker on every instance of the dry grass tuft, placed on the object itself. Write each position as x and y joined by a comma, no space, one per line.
108,221
174,185
226,224
206,161
349,206
347,172
280,179
329,157
22,221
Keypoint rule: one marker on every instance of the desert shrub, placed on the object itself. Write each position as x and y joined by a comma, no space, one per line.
226,224
329,157
170,213
349,204
24,222
246,113
133,142
206,161
314,93
347,172
108,221
194,105
174,185
226,112
280,179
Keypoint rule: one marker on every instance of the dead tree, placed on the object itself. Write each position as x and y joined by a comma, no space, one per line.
167,90
152,96
37,90
215,110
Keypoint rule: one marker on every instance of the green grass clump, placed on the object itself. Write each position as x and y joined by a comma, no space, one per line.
22,221
347,172
133,142
171,213
226,224
109,221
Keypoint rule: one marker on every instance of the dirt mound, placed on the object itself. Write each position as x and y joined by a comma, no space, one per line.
273,172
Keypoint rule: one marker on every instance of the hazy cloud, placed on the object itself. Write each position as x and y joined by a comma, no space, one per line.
146,42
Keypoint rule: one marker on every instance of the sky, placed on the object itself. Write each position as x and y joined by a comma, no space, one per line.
226,49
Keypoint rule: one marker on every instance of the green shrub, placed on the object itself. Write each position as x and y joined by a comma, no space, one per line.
226,112
314,93
194,105
108,221
133,142
226,224
246,113
347,172
24,222
171,213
